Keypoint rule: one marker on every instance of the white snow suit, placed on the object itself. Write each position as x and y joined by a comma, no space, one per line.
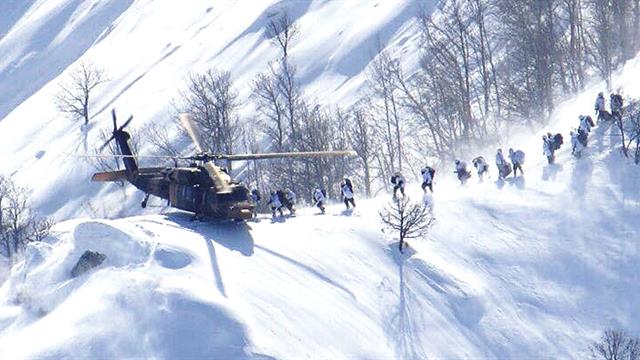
599,105
546,147
576,145
426,176
346,192
291,196
318,196
584,124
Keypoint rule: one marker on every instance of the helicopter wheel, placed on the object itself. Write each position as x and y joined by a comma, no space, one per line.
144,202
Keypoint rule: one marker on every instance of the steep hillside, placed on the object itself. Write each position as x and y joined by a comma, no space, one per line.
531,267
147,49
536,266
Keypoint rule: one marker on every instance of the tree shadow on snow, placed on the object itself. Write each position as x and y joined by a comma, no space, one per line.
405,319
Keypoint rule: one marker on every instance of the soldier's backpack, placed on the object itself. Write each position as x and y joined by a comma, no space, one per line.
519,157
506,170
590,120
557,141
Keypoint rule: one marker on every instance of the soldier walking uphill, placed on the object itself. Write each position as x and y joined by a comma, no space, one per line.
481,165
599,106
319,198
462,172
517,159
288,200
616,103
275,203
346,189
583,130
504,169
397,180
551,143
547,149
255,199
576,145
427,178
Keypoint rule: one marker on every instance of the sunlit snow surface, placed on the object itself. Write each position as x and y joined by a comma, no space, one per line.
533,267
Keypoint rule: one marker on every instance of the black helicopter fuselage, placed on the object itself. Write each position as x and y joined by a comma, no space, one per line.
186,188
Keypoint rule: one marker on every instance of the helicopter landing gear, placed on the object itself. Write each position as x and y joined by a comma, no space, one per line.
144,202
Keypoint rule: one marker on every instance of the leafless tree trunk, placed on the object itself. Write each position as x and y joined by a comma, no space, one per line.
360,135
18,223
282,32
75,95
213,104
410,220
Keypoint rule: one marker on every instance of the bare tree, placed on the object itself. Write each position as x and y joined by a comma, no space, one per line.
410,220
75,95
19,224
616,344
270,102
282,32
385,107
361,139
213,104
166,140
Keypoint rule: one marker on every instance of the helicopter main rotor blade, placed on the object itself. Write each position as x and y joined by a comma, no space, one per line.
302,154
106,143
137,156
113,117
126,123
186,122
221,185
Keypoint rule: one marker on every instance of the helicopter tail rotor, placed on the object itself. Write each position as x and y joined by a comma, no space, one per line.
116,129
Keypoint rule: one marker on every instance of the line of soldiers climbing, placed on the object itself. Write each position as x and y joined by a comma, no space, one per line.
550,144
280,200
286,199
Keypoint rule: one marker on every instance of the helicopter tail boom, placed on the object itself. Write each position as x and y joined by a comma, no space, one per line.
110,176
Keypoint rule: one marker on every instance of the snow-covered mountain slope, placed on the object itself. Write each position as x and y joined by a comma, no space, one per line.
147,49
535,267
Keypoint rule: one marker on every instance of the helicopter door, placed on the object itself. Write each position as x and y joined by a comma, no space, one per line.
186,197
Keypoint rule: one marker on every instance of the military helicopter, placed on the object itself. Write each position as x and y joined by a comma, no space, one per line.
203,188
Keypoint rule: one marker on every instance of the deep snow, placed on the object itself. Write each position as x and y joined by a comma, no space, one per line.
534,267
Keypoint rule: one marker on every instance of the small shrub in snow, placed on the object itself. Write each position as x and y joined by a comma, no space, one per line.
410,220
